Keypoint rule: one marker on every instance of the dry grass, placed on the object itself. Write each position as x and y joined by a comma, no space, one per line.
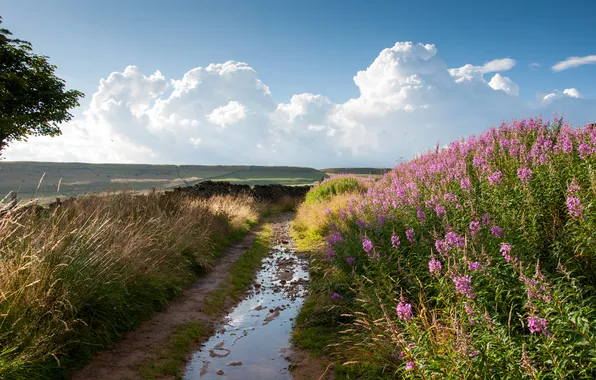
310,224
73,280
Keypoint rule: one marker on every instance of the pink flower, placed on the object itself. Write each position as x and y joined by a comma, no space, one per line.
410,235
395,241
525,175
404,311
367,245
463,284
538,326
434,266
574,207
410,366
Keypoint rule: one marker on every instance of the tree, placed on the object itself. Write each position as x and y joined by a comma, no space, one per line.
33,100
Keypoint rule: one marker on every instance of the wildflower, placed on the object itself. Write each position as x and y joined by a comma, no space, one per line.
434,266
454,240
361,223
367,245
441,247
410,235
574,207
327,212
421,215
495,178
474,228
538,326
505,252
465,183
573,188
410,366
336,296
474,353
395,241
497,231
463,284
469,310
335,238
440,210
584,150
381,219
330,254
350,260
399,355
404,311
525,175
474,266
486,219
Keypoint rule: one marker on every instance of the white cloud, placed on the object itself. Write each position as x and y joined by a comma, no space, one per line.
226,115
556,94
499,82
535,66
223,114
573,62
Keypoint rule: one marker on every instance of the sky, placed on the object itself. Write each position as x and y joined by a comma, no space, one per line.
308,83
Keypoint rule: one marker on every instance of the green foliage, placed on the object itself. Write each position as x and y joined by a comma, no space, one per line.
529,309
33,100
334,186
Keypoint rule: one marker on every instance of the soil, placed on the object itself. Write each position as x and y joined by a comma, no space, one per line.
123,360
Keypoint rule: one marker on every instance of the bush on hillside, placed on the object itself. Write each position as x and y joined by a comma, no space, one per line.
336,185
477,260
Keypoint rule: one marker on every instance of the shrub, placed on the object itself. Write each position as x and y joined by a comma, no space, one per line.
476,260
336,185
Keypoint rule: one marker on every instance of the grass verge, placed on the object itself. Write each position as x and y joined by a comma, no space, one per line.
171,358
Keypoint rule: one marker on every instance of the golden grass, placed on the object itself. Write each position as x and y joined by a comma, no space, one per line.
310,224
73,280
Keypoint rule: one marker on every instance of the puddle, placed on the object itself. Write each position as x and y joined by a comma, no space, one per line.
253,341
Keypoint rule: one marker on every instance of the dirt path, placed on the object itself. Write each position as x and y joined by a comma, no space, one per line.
122,361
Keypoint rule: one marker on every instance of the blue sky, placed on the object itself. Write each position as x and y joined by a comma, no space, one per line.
307,46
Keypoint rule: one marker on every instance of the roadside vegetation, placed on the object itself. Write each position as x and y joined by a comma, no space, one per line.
77,278
471,261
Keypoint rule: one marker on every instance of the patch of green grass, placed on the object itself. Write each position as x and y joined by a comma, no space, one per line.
242,272
170,359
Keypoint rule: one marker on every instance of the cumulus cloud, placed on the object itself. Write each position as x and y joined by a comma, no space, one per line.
224,114
499,82
573,62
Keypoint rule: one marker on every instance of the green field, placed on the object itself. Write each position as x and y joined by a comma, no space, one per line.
356,171
51,180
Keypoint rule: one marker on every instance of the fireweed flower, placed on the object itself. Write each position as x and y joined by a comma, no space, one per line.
505,252
486,219
474,266
367,245
525,175
421,215
410,366
496,178
434,266
538,326
584,150
454,240
404,311
465,183
327,212
410,235
573,188
395,241
574,207
336,296
463,284
496,231
440,210
474,228
350,260
335,238
330,254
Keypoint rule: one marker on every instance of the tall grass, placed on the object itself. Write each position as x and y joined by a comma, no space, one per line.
75,279
473,261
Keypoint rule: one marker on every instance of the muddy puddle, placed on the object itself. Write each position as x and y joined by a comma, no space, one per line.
255,339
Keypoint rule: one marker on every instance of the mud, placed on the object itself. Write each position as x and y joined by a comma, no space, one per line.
253,342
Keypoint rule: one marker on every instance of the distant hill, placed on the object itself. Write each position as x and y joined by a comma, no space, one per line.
358,171
66,179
